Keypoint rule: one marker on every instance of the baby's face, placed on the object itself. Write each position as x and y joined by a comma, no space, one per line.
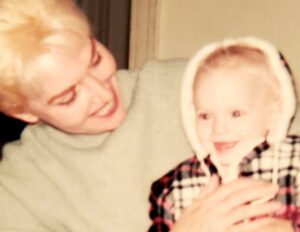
233,113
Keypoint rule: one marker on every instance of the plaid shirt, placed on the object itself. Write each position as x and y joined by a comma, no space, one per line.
177,189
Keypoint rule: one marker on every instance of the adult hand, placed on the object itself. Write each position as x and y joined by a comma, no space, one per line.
276,225
225,208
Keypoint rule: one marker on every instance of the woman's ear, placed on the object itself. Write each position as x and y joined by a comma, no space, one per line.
26,117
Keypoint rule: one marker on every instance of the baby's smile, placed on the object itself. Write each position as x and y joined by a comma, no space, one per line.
224,146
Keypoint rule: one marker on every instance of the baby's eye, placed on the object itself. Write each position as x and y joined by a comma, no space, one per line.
204,116
236,114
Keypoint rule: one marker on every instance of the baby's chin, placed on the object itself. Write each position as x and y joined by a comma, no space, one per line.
228,160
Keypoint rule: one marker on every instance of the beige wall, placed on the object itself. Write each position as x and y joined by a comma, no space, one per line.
180,27
185,25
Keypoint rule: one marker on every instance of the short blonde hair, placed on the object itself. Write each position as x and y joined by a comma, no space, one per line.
28,30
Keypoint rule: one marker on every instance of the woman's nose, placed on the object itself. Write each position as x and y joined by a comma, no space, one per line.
98,89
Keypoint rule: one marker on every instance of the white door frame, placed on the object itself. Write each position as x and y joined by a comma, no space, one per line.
143,31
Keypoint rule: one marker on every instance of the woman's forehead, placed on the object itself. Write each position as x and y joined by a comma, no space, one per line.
57,71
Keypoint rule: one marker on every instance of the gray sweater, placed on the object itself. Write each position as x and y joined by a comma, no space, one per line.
53,181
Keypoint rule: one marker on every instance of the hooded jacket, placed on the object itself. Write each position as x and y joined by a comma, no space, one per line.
276,160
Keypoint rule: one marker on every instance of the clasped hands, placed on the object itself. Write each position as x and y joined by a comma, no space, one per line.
228,208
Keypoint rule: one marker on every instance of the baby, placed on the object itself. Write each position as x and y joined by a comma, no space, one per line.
237,103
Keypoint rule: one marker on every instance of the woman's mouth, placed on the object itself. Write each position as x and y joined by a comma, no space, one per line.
107,109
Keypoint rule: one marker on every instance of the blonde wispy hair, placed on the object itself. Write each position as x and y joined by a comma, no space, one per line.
253,59
30,29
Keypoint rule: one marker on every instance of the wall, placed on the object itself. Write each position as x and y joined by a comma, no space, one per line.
183,26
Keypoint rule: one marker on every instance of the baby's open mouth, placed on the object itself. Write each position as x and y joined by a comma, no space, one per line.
222,147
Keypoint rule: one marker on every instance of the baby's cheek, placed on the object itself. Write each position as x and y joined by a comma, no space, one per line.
203,132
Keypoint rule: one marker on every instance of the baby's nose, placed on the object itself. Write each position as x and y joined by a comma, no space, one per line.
219,126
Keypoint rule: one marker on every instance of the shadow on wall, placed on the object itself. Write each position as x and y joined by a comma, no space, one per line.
10,130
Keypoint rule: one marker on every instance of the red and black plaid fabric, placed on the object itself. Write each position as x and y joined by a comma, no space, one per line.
178,188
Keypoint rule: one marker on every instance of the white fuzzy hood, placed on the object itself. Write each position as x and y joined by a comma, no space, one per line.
287,95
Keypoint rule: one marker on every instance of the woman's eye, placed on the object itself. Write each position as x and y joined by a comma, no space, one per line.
236,113
67,99
204,116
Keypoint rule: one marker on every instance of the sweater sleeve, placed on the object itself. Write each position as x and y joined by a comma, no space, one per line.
15,217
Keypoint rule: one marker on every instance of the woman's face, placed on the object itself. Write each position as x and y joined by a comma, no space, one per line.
78,94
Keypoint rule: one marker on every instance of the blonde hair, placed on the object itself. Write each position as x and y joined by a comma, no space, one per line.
251,58
28,30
